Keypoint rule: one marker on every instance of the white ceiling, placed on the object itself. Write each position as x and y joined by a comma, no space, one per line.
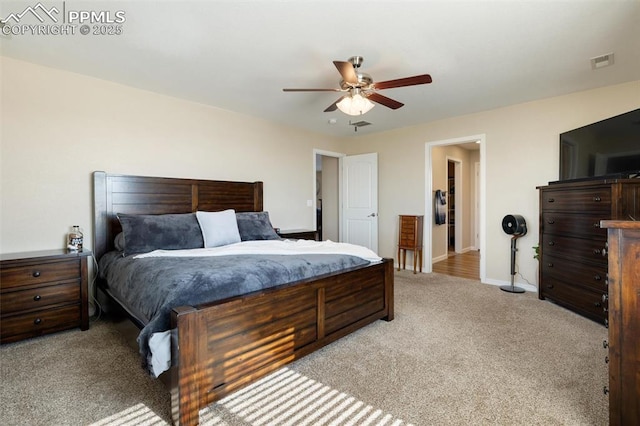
238,55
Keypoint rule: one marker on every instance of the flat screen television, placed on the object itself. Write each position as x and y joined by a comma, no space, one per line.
608,148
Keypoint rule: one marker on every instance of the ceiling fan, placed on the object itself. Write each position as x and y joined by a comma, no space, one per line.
361,90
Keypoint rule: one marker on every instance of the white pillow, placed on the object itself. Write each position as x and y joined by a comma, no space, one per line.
218,228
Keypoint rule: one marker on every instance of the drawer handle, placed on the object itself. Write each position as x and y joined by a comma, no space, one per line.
597,199
551,221
551,200
549,285
606,360
597,277
605,344
596,225
606,323
596,251
605,297
550,265
605,390
37,297
604,252
551,243
605,310
36,274
37,321
597,304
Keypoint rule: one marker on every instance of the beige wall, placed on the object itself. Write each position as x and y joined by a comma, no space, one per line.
521,153
59,127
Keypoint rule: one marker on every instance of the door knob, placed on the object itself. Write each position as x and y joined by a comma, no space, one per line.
372,215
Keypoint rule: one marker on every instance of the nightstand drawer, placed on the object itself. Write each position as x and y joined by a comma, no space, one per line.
39,322
24,276
41,297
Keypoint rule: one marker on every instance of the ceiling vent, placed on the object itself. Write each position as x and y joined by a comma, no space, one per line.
602,61
357,124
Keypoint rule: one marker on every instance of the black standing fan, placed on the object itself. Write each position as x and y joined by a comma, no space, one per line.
515,226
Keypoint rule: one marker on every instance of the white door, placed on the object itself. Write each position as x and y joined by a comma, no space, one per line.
360,200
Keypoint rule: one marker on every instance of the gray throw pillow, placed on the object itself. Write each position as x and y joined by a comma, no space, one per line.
145,233
256,226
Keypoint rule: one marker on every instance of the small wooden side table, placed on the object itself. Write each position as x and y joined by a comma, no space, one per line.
42,292
410,238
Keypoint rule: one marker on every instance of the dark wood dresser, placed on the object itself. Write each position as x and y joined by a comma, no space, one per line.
43,292
410,238
573,246
624,322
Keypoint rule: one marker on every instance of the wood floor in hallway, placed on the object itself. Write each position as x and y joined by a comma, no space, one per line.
464,265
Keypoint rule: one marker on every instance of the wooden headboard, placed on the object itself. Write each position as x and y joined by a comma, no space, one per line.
113,194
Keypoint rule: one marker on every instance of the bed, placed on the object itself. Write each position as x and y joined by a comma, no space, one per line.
219,346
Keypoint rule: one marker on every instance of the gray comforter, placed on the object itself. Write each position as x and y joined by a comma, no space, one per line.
151,287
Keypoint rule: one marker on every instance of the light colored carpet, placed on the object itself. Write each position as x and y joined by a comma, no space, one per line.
458,353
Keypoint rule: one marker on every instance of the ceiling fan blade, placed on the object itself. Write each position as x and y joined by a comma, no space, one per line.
333,106
347,71
312,90
383,100
401,82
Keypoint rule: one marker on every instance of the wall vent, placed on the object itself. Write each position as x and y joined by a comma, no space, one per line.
357,124
602,61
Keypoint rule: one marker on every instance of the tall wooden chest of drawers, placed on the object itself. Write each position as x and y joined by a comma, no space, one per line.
624,322
43,292
573,247
410,238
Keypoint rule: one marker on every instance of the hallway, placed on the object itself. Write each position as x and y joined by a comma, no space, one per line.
464,265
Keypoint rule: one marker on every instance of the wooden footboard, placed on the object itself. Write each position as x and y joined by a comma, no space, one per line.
224,346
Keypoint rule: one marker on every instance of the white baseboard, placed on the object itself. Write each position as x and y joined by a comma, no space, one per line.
439,258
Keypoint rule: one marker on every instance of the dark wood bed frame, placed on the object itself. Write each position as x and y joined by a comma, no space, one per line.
220,347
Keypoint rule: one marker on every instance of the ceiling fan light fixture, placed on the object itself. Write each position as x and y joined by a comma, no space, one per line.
355,104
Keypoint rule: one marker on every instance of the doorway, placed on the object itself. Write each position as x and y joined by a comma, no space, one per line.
327,186
473,218
346,197
455,206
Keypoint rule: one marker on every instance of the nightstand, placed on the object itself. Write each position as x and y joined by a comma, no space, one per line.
43,292
299,234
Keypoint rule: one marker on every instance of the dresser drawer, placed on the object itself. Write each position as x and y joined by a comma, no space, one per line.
589,275
578,225
40,297
577,249
17,327
24,276
583,301
577,200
